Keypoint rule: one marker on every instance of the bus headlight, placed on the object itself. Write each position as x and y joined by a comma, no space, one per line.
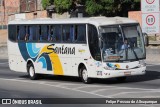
142,63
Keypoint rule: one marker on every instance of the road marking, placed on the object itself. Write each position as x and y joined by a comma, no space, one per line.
44,83
41,83
115,87
62,84
104,89
134,92
87,86
99,90
77,90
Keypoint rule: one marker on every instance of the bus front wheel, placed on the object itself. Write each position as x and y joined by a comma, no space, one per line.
31,72
84,76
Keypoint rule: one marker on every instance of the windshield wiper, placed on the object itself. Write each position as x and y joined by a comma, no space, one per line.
134,52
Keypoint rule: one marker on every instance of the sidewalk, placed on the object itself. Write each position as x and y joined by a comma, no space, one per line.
153,55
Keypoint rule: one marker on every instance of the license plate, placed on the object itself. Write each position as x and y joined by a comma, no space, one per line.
127,73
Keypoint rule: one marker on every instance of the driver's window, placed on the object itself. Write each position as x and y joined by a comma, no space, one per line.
131,33
112,40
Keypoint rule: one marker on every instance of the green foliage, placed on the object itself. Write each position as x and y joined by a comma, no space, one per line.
62,5
93,7
96,7
46,3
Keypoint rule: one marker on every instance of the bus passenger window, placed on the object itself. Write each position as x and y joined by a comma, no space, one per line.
57,33
44,33
12,32
80,33
18,33
66,33
22,33
72,33
52,36
49,33
39,33
27,34
32,32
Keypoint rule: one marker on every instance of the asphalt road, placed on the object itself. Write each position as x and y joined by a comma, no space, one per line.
18,85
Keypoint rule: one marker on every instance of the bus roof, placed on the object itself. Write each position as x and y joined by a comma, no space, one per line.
98,21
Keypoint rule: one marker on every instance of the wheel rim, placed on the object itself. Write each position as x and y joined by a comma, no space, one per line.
31,71
85,75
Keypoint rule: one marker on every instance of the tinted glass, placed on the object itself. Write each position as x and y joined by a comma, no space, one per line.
44,33
80,33
94,42
32,32
22,32
12,32
68,32
57,33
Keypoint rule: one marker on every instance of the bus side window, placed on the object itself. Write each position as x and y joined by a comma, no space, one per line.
72,32
12,32
32,32
66,33
39,32
21,33
52,30
49,33
18,33
80,33
57,33
44,33
27,34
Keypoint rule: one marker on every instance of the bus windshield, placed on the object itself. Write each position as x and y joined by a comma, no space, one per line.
122,43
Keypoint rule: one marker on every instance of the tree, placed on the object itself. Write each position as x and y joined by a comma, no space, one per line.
46,3
96,7
93,6
111,7
62,6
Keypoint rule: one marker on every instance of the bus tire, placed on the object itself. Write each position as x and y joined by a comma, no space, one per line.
121,79
84,76
31,72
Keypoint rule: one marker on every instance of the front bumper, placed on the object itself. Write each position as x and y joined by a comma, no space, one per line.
121,73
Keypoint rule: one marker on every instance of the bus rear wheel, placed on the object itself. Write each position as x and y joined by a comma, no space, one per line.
31,72
84,76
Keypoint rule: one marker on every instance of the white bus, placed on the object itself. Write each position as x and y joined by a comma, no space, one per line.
95,47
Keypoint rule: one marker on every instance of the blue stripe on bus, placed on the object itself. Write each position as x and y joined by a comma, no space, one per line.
29,51
48,61
32,50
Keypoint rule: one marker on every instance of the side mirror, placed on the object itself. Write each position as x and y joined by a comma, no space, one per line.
146,39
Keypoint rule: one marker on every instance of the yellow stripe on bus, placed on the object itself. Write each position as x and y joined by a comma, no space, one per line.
55,60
